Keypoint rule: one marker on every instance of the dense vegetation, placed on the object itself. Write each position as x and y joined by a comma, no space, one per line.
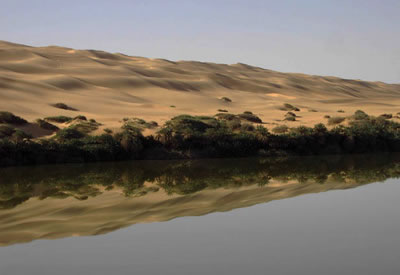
185,136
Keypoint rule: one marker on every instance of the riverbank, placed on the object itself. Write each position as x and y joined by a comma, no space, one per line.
189,137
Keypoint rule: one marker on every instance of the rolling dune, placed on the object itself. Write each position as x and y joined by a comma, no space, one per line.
109,87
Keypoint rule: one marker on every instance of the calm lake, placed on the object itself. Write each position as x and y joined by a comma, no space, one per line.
303,215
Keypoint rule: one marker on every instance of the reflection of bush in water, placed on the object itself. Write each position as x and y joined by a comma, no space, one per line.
186,177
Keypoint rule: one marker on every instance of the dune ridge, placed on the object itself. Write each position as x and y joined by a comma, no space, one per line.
108,87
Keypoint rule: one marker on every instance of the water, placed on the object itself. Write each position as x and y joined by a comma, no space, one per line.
332,215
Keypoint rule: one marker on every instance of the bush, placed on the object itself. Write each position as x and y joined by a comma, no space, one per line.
68,134
10,118
290,118
335,120
234,124
6,131
247,127
59,119
222,110
327,116
226,99
107,130
340,111
223,116
45,125
63,106
85,127
386,116
280,129
320,128
289,107
360,115
80,117
250,117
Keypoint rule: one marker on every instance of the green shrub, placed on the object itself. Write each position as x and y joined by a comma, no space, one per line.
6,131
222,110
289,107
335,120
59,119
360,115
45,125
247,127
327,116
63,106
10,118
226,99
250,117
340,111
107,130
386,116
320,128
290,118
280,129
234,124
20,135
80,117
68,134
85,127
223,116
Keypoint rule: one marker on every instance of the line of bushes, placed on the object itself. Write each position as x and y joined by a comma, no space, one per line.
188,136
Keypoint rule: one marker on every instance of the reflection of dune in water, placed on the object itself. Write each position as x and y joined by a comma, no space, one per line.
86,202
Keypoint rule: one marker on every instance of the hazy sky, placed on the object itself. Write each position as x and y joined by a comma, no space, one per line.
347,38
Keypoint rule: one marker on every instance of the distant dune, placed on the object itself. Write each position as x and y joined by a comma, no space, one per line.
109,87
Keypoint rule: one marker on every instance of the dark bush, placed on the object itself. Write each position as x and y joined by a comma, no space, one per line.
289,107
247,127
80,117
63,106
360,115
45,125
386,116
59,119
10,118
250,117
280,129
6,131
226,99
69,133
335,120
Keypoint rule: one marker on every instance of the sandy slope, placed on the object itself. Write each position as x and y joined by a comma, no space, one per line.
109,87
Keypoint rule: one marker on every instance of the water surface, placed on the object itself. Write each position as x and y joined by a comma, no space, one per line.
254,216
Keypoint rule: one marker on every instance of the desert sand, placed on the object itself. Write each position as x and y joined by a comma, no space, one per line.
108,87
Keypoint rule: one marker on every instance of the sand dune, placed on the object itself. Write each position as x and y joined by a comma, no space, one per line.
108,87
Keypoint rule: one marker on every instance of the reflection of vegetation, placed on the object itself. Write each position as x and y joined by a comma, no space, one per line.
186,177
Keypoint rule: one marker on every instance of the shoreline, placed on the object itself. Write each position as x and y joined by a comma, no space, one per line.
195,137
